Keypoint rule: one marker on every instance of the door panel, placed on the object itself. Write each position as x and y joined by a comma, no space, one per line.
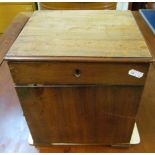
80,114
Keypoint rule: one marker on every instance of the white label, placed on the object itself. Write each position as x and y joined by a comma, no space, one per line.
135,73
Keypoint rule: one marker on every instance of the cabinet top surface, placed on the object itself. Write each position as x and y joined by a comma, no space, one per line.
80,34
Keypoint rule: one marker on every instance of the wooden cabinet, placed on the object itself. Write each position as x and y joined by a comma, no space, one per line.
78,5
80,80
8,11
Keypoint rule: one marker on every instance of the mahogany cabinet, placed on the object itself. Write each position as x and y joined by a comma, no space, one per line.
80,76
78,5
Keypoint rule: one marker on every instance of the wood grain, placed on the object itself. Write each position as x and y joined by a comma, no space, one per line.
80,115
77,5
50,73
147,33
83,33
8,38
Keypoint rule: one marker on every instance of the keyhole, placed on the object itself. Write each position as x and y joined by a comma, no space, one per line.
77,73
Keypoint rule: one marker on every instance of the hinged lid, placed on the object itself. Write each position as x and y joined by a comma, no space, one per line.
82,33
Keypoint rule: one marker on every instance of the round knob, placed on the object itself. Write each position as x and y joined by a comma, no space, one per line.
77,73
